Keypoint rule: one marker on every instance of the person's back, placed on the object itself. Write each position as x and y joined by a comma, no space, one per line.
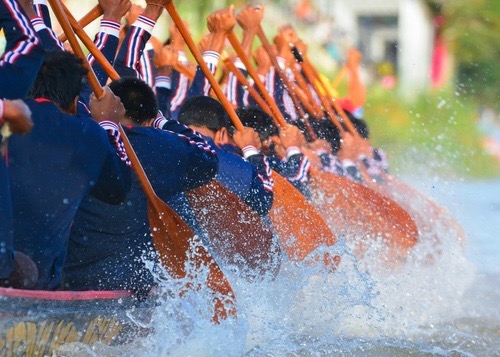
58,163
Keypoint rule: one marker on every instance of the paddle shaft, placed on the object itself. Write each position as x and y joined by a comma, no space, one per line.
244,82
277,116
206,71
312,72
290,87
305,89
311,78
92,15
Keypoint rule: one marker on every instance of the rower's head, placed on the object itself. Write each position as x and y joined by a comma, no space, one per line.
207,116
326,130
60,80
259,120
138,99
263,124
359,124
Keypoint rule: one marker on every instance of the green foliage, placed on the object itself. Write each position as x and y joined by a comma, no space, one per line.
437,134
473,27
196,13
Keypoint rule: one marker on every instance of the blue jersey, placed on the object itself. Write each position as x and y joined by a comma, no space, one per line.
51,170
295,168
250,178
6,239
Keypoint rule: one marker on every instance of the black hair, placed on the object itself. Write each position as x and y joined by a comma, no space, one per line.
60,79
205,112
359,124
137,97
325,129
259,120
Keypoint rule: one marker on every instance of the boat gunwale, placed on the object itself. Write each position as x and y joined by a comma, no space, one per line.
66,295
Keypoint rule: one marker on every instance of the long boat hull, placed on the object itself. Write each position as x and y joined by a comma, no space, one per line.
39,322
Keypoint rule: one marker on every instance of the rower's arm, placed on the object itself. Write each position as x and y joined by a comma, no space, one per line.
23,53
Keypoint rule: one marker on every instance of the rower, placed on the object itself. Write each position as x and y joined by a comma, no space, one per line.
110,246
64,158
17,72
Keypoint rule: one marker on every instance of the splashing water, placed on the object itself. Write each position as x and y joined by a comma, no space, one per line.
425,305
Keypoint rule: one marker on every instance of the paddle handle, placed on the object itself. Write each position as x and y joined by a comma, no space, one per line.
244,82
290,87
92,15
338,78
63,21
87,41
277,115
59,12
199,59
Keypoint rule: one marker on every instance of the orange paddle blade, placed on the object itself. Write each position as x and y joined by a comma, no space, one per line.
333,203
364,211
300,227
238,234
178,248
431,219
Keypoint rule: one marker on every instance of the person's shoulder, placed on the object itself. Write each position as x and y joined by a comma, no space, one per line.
232,149
147,132
41,106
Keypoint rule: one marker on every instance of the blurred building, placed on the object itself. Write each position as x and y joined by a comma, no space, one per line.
397,32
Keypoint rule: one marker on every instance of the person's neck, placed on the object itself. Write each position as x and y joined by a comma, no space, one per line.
126,121
203,131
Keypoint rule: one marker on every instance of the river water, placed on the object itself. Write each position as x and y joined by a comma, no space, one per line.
436,303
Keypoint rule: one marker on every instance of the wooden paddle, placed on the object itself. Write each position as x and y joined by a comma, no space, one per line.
300,228
179,249
393,213
404,194
237,233
344,204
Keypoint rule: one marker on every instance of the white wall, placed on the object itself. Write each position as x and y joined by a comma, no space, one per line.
414,34
415,46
